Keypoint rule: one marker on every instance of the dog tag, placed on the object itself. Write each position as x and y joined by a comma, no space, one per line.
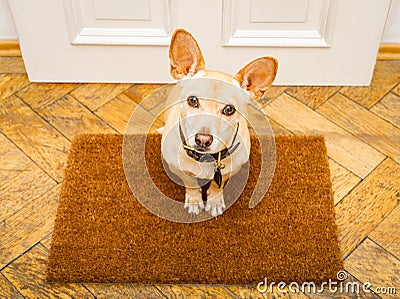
206,158
218,177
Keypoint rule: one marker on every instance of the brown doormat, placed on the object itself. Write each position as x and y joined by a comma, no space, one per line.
103,234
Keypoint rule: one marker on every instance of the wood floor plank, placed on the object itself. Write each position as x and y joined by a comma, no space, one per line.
387,234
39,95
362,263
386,76
349,151
312,96
28,226
278,129
149,117
342,180
71,118
254,117
367,205
363,124
118,112
156,99
155,94
21,180
271,93
7,290
396,90
94,95
46,241
10,83
252,292
159,112
27,274
195,291
389,108
11,158
108,290
34,136
140,91
19,188
12,65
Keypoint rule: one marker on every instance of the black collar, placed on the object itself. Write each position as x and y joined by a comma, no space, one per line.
209,157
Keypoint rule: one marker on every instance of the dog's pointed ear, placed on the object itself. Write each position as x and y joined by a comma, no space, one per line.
256,76
185,55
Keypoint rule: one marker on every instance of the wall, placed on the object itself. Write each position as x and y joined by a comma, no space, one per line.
7,29
391,34
392,29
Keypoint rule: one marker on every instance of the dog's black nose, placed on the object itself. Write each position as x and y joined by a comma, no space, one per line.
203,139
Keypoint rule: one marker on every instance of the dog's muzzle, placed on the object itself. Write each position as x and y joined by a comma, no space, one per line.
211,157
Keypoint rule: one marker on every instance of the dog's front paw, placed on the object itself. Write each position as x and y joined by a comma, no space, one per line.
193,200
216,204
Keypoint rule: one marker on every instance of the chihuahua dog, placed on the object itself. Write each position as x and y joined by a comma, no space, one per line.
206,137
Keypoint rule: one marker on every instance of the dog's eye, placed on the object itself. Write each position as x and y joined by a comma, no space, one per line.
228,110
193,102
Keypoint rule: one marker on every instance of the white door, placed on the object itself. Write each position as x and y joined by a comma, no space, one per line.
317,42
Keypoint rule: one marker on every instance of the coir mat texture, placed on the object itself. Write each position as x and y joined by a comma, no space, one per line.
103,234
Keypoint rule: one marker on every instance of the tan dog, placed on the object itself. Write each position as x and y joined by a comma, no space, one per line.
198,127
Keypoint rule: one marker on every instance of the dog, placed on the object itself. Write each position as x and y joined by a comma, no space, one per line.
206,138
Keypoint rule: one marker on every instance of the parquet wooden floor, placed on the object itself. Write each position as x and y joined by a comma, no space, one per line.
38,122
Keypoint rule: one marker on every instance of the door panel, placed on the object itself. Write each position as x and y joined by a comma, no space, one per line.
122,10
270,11
288,23
118,22
317,42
